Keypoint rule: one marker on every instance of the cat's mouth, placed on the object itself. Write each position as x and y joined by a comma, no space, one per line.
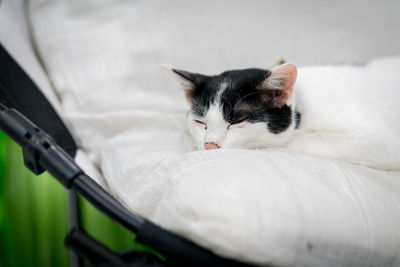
211,145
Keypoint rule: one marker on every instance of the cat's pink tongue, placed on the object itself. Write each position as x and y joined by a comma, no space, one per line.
209,146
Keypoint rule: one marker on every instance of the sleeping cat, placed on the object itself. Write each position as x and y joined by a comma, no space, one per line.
329,111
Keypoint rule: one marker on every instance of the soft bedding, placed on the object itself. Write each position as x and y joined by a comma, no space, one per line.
260,206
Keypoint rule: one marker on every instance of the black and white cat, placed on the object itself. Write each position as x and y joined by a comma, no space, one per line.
329,111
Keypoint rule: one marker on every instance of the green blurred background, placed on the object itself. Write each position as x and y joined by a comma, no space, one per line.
33,216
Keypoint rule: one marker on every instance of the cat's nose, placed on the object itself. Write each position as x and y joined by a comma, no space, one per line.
211,145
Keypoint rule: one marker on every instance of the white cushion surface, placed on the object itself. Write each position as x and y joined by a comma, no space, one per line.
260,206
14,36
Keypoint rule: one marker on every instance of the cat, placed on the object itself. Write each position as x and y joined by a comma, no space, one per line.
325,112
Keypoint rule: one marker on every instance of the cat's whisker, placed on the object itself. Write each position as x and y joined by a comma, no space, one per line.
238,102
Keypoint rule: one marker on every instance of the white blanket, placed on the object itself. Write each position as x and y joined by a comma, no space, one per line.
266,206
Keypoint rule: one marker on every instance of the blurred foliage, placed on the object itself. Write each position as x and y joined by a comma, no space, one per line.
33,213
33,216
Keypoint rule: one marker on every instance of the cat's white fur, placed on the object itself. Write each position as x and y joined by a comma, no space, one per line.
344,115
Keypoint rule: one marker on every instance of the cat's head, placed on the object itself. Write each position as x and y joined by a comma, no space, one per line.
249,108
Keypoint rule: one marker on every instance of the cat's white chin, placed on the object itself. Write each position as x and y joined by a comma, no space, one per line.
255,136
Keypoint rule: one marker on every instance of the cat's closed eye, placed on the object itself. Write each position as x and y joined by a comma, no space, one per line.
202,123
237,122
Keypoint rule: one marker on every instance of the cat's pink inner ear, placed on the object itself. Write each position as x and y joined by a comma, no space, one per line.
279,84
288,74
189,96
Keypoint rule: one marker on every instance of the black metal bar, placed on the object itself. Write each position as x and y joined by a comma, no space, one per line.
42,153
95,194
74,222
74,219
180,251
89,248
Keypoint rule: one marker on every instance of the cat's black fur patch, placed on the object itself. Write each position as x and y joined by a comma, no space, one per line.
241,99
279,119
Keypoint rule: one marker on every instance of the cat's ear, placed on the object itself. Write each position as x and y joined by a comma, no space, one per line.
190,81
278,86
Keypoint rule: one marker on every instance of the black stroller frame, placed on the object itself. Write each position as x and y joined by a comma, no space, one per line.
29,119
